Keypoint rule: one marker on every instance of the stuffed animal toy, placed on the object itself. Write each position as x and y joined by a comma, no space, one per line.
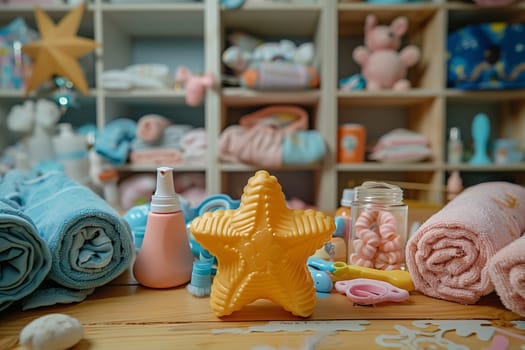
383,66
195,85
273,65
36,122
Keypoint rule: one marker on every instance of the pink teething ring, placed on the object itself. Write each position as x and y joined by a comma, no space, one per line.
377,243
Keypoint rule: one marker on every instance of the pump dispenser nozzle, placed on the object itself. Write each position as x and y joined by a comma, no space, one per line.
165,200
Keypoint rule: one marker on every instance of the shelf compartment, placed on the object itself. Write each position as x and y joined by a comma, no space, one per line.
425,31
422,114
168,34
386,97
352,15
506,116
473,176
55,12
287,20
178,19
246,97
177,113
459,17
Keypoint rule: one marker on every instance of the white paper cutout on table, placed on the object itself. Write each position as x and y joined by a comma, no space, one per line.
425,339
299,326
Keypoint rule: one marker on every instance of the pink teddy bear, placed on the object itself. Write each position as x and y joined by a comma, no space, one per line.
383,67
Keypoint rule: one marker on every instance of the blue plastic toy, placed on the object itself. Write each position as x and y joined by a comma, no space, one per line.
480,135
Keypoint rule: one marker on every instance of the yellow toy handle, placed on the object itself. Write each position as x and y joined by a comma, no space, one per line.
398,278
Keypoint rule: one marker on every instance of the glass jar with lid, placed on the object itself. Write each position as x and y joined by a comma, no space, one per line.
379,227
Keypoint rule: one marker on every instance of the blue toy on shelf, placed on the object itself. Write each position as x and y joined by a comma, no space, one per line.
480,135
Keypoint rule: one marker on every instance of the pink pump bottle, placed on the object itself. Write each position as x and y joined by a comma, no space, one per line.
165,259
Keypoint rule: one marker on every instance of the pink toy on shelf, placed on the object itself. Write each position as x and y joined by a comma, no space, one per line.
195,85
368,291
151,126
383,66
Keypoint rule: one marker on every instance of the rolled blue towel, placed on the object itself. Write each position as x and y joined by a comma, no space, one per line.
90,243
25,259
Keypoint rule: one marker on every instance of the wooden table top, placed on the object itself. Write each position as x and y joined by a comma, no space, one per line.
126,315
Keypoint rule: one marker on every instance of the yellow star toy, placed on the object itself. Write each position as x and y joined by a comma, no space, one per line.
262,248
58,49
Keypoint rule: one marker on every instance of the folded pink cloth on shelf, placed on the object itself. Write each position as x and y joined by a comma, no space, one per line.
151,126
507,273
259,145
156,156
259,137
194,145
448,255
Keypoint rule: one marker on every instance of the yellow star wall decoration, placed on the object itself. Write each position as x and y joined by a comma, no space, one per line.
262,248
57,51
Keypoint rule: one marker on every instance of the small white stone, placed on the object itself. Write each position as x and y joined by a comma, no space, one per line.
52,332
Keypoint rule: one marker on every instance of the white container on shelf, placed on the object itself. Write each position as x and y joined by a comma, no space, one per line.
71,151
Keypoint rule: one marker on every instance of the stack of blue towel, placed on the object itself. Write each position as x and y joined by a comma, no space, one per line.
58,240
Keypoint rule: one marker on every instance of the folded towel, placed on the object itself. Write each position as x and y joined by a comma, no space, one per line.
448,255
90,243
194,146
157,156
507,273
114,141
260,145
24,257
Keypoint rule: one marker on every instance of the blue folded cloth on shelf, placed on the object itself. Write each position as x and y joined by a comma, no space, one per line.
303,147
90,243
114,141
25,259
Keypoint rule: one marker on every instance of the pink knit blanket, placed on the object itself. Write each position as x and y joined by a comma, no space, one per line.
507,273
448,255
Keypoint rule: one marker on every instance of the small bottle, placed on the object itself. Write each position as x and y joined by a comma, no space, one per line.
165,259
71,150
345,210
455,146
379,227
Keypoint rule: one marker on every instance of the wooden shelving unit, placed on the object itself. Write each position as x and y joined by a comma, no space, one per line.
335,28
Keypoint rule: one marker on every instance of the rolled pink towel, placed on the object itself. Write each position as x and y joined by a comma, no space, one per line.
448,255
507,273
151,126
